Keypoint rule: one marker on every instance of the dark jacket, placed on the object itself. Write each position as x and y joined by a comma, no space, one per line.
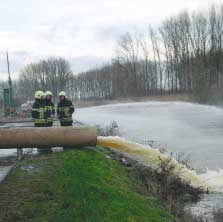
65,110
38,113
50,111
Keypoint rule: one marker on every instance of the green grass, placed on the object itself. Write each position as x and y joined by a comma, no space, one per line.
79,185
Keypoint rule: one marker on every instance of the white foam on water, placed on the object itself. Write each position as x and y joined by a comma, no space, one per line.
214,179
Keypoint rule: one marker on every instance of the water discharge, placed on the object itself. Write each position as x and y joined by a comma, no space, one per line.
151,157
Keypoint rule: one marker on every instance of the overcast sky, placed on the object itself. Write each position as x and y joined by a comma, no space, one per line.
83,31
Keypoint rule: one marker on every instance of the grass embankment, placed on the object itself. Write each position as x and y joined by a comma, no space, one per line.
79,185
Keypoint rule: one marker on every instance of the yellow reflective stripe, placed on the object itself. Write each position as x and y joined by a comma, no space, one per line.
50,120
63,108
41,114
49,107
39,121
66,119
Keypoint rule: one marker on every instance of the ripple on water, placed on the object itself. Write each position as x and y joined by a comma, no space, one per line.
206,205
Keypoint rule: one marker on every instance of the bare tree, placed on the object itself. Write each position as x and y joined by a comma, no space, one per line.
51,74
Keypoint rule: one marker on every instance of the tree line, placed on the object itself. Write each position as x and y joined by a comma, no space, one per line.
183,54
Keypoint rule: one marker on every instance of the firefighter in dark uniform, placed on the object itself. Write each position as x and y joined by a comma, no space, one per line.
65,110
49,108
39,115
38,110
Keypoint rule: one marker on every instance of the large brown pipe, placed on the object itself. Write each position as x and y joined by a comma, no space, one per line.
47,137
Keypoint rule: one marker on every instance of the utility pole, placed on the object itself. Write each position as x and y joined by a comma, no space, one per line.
8,92
10,84
7,56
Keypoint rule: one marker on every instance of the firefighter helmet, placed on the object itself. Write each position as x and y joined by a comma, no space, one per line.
48,93
62,93
38,94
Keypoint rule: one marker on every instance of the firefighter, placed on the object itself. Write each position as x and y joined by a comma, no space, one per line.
65,110
39,115
38,110
49,108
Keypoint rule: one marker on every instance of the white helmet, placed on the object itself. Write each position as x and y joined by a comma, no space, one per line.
42,94
48,93
62,93
39,94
